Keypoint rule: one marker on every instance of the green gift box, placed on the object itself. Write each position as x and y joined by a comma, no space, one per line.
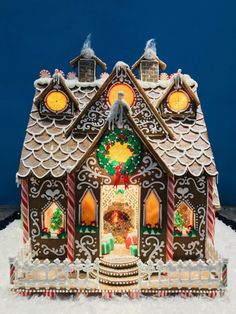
112,242
109,238
133,250
106,247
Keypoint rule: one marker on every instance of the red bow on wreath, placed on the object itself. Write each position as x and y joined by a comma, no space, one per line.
117,175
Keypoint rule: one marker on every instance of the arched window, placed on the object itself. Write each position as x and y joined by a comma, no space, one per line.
152,210
53,221
184,219
88,209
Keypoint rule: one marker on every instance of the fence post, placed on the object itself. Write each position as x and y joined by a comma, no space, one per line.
224,273
12,270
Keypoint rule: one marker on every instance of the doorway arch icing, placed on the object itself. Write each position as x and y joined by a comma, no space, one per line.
122,204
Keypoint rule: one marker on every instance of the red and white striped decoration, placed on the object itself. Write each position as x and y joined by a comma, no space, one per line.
70,216
51,294
224,273
161,294
210,210
24,293
134,294
25,209
12,270
107,295
170,218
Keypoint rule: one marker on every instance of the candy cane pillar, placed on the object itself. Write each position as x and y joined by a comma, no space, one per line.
210,210
70,216
25,209
170,219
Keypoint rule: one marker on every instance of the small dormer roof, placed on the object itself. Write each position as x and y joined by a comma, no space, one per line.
155,59
74,62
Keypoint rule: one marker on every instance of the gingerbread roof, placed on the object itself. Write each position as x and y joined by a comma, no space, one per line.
47,150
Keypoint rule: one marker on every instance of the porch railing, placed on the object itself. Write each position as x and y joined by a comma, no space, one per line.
26,273
183,274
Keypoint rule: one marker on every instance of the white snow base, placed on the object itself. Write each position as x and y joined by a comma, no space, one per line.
10,243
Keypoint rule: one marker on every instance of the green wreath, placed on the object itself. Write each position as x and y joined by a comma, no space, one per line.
112,166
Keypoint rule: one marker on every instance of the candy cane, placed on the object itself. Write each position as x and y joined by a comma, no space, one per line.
25,209
12,270
70,216
224,273
210,211
170,219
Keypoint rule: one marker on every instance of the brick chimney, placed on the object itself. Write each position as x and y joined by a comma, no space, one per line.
149,64
86,70
149,70
87,62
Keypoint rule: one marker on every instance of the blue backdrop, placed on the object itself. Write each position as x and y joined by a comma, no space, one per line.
197,36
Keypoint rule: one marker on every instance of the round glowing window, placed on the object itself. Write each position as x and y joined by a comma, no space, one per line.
178,101
56,101
125,89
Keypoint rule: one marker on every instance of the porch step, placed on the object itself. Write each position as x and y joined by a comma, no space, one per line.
119,262
118,270
114,272
115,281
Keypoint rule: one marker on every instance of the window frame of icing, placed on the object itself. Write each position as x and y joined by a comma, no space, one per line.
190,230
148,228
83,227
45,232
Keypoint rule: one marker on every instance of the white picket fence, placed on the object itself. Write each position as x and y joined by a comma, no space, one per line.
181,274
26,273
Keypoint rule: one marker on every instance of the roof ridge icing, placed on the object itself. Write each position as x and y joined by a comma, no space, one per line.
46,140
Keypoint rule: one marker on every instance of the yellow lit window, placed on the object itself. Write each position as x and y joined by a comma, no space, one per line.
178,101
88,209
56,101
152,210
121,87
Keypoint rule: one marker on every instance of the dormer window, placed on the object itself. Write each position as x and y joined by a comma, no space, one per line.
56,101
178,101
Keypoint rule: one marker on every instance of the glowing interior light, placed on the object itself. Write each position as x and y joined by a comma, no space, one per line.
178,101
121,87
56,101
120,152
152,206
88,205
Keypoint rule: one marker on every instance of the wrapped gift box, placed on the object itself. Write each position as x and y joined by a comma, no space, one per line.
131,239
106,247
133,250
109,238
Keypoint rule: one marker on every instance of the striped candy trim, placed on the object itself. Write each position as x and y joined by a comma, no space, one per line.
25,209
170,219
70,216
210,210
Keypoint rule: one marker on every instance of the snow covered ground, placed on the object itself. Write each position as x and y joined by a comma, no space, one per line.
10,242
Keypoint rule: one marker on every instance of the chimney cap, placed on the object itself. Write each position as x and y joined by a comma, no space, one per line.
155,59
74,62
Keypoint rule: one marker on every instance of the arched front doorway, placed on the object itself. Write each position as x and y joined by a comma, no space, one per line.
119,217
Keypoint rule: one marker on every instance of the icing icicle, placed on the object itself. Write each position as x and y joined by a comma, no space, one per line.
116,116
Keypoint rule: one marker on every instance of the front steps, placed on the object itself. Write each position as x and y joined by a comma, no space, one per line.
118,271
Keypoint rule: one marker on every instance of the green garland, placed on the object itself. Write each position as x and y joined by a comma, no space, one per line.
122,136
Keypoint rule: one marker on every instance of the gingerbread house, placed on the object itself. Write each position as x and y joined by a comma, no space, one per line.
118,173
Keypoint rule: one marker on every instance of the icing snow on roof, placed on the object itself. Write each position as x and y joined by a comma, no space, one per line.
47,150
